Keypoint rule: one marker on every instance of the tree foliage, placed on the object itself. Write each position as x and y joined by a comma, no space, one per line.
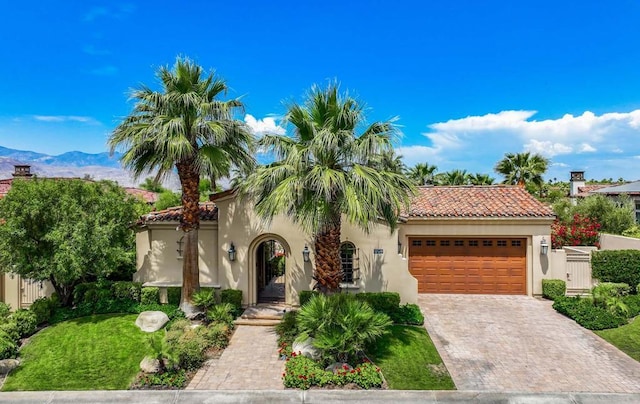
614,215
67,231
522,168
423,173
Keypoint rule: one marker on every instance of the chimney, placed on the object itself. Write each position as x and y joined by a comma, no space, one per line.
22,171
576,181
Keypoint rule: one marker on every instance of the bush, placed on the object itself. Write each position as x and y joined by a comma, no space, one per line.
25,320
341,326
171,379
608,296
633,304
408,314
126,290
619,266
588,315
173,295
582,230
8,347
216,335
150,295
553,288
204,298
382,302
306,295
302,373
10,328
42,308
287,329
221,314
5,309
91,292
189,349
233,296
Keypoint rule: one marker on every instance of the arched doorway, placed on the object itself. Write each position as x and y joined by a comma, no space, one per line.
270,266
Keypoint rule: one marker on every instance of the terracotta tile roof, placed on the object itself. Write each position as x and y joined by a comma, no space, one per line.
5,186
147,196
476,201
586,190
208,212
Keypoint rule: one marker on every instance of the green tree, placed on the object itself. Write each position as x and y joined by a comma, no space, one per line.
481,179
423,173
614,215
453,177
184,126
388,160
67,231
522,168
152,185
168,199
325,171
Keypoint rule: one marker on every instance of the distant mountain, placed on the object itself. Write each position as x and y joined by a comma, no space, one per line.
72,158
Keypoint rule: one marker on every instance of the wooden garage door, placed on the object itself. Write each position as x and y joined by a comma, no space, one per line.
469,265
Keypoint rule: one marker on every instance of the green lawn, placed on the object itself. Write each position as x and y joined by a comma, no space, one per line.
625,338
410,361
100,352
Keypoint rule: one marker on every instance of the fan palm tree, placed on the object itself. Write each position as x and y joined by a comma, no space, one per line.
184,126
326,170
454,177
481,179
521,168
423,173
388,160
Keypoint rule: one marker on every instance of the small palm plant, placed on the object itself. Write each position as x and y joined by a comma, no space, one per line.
205,299
340,326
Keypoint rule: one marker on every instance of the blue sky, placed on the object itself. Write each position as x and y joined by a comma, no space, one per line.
468,80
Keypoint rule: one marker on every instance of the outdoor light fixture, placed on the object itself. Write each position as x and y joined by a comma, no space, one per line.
180,242
305,253
232,252
544,247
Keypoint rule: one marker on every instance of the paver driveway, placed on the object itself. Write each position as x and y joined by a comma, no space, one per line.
519,343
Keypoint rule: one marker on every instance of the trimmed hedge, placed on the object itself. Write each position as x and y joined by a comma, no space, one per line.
553,288
619,266
588,315
173,295
232,296
408,314
150,295
384,302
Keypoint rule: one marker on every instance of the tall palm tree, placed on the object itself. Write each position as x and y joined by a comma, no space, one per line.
454,177
423,173
389,160
326,170
521,168
184,126
481,179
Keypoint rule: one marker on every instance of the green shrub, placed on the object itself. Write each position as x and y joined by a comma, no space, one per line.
204,298
408,314
303,373
233,296
180,324
222,314
383,302
91,292
126,290
341,326
42,308
189,349
619,266
25,320
633,304
171,379
150,295
588,315
553,288
8,347
5,309
216,335
287,329
306,295
608,296
10,329
173,295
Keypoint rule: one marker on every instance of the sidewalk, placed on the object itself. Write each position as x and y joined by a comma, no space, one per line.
250,362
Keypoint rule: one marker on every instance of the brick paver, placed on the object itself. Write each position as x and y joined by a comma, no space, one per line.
520,344
250,362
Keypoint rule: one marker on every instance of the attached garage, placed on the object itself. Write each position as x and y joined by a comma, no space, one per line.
469,265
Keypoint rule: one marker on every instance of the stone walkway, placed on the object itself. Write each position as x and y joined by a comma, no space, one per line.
250,362
521,344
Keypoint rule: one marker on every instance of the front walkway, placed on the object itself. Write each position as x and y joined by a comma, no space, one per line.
250,362
520,344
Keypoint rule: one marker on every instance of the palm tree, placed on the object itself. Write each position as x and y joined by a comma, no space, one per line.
423,173
184,126
454,177
481,179
388,160
325,170
521,168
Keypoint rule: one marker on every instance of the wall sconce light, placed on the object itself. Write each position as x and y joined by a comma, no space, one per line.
544,247
305,253
232,252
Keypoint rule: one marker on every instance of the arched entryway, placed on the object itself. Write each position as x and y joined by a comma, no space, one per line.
267,269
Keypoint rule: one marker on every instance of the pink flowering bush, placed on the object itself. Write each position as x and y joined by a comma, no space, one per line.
581,230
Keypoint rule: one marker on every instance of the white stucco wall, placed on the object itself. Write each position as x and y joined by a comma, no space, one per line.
615,242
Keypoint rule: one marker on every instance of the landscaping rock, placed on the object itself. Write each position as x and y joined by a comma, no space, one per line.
151,321
339,367
306,348
150,365
7,365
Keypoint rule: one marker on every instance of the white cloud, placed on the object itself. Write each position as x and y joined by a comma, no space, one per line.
261,127
547,147
66,118
586,148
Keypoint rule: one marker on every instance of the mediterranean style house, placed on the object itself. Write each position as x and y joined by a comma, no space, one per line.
453,239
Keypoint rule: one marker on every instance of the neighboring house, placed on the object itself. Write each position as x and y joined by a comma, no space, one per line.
579,189
466,239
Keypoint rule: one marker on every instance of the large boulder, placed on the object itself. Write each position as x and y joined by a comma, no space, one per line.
151,321
150,365
7,365
306,348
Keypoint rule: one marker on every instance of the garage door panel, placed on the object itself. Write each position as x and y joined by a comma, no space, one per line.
486,266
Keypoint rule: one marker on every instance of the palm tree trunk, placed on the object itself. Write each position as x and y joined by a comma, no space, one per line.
190,181
328,273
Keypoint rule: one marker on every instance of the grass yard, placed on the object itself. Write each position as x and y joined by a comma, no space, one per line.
410,361
626,338
101,352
